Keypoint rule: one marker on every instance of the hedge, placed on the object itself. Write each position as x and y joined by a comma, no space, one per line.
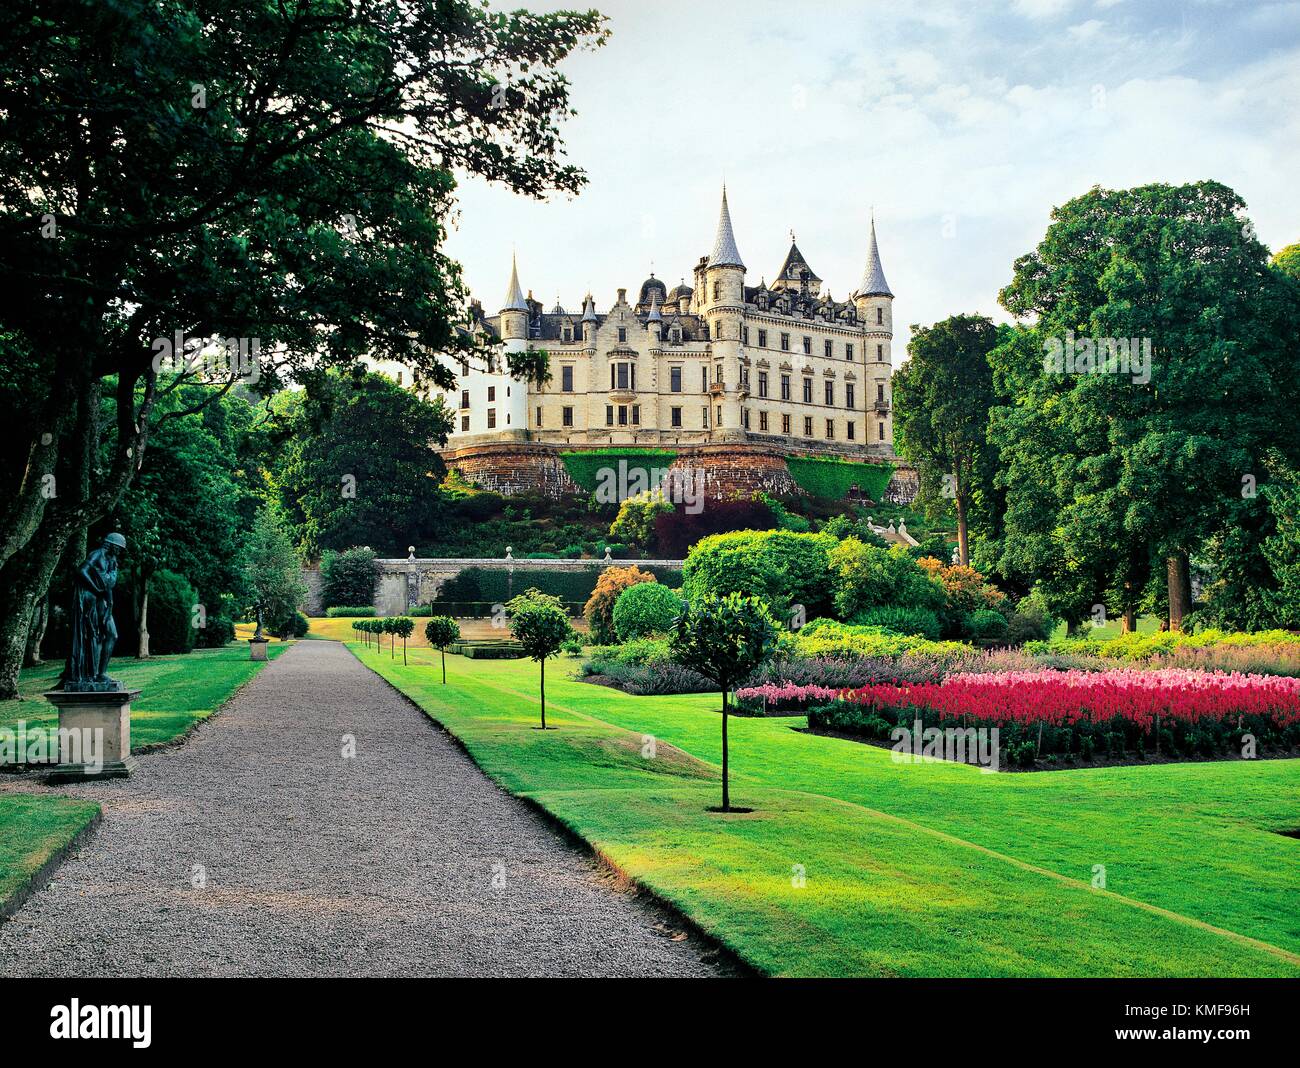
834,478
483,609
584,467
341,611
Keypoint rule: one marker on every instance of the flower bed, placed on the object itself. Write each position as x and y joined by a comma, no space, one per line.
1081,714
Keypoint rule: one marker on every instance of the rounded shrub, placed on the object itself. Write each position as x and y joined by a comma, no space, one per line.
171,615
645,609
985,624
219,631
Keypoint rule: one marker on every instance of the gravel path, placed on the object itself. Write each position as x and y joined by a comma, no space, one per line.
404,860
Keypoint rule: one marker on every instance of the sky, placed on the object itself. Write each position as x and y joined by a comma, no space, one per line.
960,124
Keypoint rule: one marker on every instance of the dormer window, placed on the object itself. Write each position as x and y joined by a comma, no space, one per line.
568,334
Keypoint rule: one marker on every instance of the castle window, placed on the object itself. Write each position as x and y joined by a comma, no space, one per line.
717,330
464,398
880,315
622,333
568,334
744,334
830,428
785,342
492,418
762,421
622,415
464,366
807,345
717,290
881,431
849,431
807,426
848,350
807,391
492,394
567,419
880,352
704,417
636,415
719,419
464,424
880,391
566,378
609,415
785,387
744,418
785,424
718,376
830,394
539,415
704,379
849,392
829,348
762,383
677,417
762,339
622,376
675,379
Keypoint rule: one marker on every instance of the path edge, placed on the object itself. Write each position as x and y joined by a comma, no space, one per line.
41,877
743,967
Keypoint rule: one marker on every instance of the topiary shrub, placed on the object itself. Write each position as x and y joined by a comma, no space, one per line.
784,568
350,611
294,626
170,619
645,609
902,620
599,608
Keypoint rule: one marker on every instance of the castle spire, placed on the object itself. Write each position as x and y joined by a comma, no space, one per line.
654,316
589,309
725,253
873,277
515,295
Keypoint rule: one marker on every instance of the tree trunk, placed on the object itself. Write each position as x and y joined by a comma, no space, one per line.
36,632
1129,623
142,628
1180,589
543,663
24,580
444,667
726,793
963,541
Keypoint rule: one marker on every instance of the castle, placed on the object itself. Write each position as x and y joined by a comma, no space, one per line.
731,377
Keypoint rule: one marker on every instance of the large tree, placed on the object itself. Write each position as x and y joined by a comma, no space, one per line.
942,398
273,172
1118,467
358,464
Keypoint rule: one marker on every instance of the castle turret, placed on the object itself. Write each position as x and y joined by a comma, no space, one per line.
723,304
514,312
507,398
874,302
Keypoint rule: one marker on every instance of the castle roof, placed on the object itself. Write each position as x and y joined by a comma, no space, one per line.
725,253
873,277
792,269
514,295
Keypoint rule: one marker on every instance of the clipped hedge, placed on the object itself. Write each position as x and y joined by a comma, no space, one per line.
824,477
350,611
584,467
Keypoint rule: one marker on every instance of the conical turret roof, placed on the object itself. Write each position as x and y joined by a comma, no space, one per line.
514,295
725,253
873,277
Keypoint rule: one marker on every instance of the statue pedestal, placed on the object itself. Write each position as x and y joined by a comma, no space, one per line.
94,734
257,648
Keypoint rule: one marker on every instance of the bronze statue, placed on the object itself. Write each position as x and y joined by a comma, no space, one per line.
94,633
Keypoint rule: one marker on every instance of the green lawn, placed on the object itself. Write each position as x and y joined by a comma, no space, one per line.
177,691
32,829
933,869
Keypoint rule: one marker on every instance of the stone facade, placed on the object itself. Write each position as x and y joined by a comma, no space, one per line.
717,362
513,467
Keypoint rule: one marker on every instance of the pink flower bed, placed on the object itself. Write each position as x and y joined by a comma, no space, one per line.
1061,698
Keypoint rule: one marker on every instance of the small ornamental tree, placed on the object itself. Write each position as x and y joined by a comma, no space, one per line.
541,626
724,639
645,609
403,627
441,631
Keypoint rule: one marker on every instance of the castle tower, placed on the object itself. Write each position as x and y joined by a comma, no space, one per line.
723,305
509,396
874,301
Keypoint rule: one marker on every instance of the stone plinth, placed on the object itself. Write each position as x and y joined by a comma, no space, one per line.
257,648
94,734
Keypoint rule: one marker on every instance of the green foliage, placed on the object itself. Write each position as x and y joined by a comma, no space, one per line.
1288,261
339,611
539,623
785,569
635,522
171,613
645,609
360,466
348,577
830,638
441,631
599,608
724,638
985,624
588,467
272,573
216,632
902,620
867,577
295,625
834,478
942,398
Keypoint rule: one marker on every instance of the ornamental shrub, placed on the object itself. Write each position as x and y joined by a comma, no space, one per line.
349,611
170,619
645,609
348,577
902,620
866,577
984,624
599,608
783,568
